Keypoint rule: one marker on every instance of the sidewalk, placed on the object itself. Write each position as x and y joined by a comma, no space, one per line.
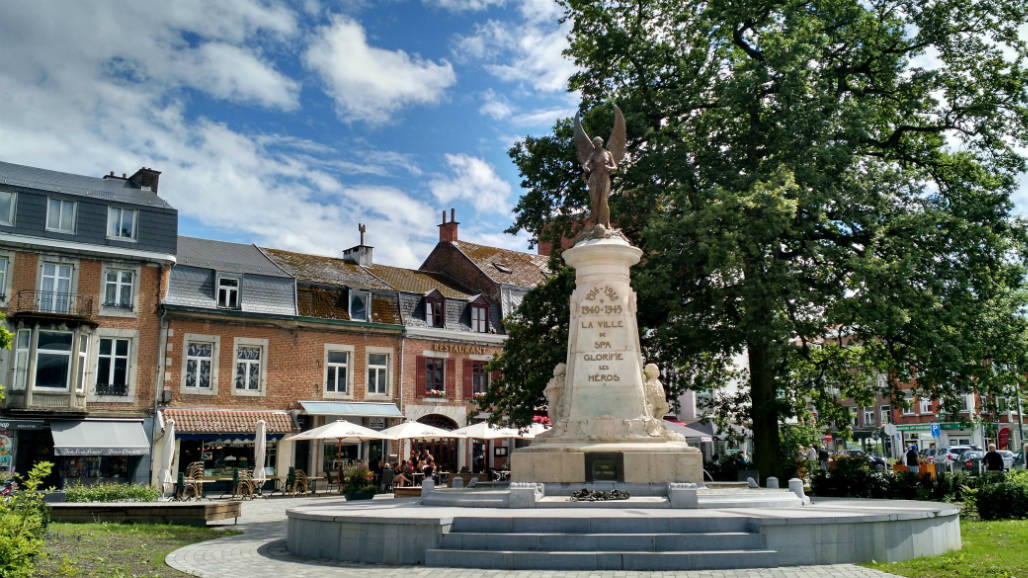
261,552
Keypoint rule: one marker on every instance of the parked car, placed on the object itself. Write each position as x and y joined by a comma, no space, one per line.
1008,459
876,462
952,456
971,461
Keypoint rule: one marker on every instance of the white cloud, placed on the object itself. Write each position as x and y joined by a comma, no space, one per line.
494,105
475,181
529,52
464,5
370,83
89,88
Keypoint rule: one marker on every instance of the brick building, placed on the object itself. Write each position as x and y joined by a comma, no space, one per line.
83,262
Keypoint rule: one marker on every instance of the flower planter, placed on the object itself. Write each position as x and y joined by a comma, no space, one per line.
359,496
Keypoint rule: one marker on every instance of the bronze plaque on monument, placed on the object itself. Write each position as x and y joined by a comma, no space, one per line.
604,467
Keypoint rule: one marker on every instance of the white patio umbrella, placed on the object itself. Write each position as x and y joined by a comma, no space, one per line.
167,455
259,449
413,430
343,432
533,430
484,431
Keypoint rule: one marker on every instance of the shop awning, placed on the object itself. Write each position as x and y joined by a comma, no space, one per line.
99,438
228,421
352,408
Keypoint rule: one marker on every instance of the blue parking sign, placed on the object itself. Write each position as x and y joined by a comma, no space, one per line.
936,430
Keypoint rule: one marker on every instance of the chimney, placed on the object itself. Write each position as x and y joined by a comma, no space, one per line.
544,248
448,231
146,178
111,175
361,254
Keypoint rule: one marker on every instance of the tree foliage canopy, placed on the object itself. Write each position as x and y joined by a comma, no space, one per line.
805,176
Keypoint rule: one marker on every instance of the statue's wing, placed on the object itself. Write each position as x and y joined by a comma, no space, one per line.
583,143
618,136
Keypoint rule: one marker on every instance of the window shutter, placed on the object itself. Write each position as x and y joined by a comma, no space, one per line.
451,378
422,378
468,375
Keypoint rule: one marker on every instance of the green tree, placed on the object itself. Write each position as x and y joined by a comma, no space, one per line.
807,176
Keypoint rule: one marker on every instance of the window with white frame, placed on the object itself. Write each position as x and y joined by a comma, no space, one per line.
118,285
112,367
869,415
885,413
228,292
248,367
60,216
22,347
924,405
53,359
80,383
199,364
908,405
199,358
121,223
55,288
378,373
337,371
7,203
967,403
360,306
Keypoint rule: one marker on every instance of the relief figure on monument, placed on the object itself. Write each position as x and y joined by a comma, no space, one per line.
554,393
656,399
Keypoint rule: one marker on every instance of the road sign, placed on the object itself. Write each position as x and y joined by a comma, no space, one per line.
936,430
828,437
890,429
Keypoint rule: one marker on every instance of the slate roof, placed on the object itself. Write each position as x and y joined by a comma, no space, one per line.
229,421
225,257
327,270
419,282
506,266
117,190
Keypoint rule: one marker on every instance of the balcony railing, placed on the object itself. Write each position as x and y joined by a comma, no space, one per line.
45,401
53,302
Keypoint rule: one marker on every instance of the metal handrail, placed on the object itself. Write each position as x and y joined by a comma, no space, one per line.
53,302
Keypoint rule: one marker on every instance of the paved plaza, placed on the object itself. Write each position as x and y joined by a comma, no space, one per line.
261,551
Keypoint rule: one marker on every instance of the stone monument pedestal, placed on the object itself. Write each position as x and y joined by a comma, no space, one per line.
606,412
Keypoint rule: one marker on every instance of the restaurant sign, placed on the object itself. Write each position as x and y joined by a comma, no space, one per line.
928,426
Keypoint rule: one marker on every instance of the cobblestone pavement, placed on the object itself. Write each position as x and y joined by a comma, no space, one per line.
261,552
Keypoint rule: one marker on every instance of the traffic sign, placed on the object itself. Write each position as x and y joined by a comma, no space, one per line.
828,437
936,430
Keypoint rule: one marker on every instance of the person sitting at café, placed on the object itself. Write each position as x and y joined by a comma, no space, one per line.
401,478
429,469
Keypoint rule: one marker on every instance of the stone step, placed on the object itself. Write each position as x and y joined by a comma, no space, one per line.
529,560
602,525
613,542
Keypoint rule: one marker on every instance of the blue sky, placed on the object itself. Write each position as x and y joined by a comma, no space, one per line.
287,124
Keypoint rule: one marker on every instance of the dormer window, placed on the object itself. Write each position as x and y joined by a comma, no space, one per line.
7,199
502,268
479,317
360,306
60,216
435,307
121,223
228,292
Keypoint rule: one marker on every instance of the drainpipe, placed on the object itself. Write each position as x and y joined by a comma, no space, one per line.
162,342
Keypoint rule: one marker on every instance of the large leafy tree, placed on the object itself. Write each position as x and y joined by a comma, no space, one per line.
823,187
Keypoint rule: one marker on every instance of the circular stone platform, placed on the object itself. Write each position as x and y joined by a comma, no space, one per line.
630,536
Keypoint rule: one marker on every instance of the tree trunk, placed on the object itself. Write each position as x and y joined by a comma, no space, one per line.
765,411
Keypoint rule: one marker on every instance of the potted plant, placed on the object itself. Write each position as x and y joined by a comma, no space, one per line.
358,483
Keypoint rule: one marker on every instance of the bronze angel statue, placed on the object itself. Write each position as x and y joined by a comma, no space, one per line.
598,163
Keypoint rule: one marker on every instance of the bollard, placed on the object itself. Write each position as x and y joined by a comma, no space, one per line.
772,482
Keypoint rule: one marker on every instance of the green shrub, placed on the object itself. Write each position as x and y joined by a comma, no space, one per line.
358,479
112,492
1006,498
852,477
23,518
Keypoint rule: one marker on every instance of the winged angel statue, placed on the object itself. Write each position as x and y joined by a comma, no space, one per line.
598,163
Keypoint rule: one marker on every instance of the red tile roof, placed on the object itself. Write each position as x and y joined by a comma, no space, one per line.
229,421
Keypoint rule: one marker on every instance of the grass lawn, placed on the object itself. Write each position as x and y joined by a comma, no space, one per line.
115,550
996,549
